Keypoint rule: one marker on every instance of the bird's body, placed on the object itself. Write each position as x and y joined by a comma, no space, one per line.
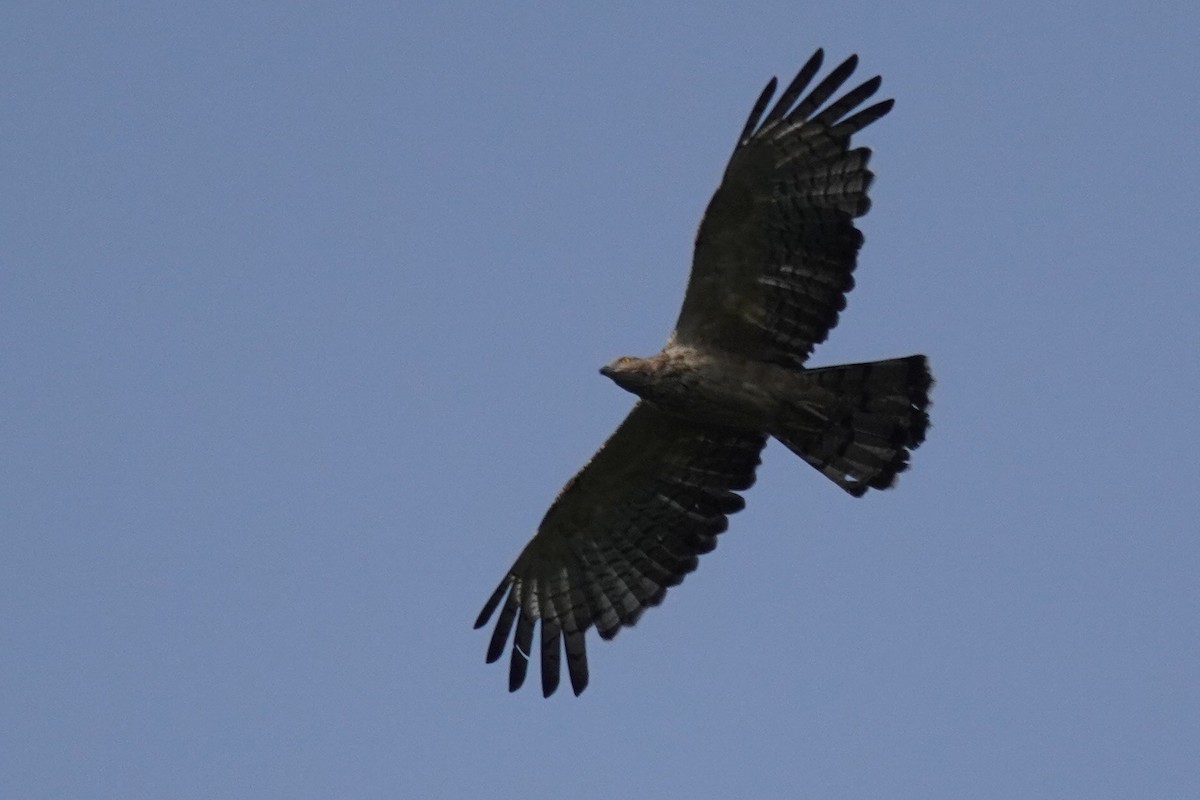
773,263
704,386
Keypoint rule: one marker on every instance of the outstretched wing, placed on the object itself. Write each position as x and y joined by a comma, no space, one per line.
777,247
630,524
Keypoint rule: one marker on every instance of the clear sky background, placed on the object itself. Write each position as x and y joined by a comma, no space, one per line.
301,308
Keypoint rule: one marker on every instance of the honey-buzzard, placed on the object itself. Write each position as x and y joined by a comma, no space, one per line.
773,262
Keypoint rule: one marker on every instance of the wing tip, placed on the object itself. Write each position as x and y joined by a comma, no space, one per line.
493,602
756,113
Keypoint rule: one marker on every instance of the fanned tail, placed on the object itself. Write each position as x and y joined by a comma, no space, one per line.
858,423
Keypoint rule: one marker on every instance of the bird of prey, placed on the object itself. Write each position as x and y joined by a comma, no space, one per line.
773,261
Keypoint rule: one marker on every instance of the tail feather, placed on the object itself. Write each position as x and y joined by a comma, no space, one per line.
858,423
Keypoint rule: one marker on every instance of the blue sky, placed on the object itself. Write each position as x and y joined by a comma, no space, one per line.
302,308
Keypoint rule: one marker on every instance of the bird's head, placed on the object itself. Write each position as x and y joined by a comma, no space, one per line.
628,372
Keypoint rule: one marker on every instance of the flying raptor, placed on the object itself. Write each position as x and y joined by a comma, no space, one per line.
773,262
